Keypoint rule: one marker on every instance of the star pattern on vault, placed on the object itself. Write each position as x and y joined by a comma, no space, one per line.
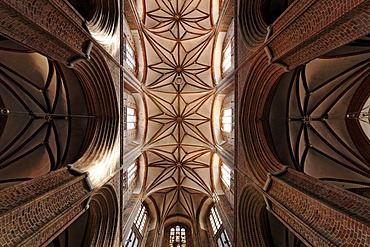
179,93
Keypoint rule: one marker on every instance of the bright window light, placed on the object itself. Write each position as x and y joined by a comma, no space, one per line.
177,236
223,240
215,220
141,219
131,172
131,118
132,240
130,58
226,61
226,175
227,120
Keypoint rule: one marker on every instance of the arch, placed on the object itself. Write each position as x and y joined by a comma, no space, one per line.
102,104
103,218
254,121
101,17
252,24
253,218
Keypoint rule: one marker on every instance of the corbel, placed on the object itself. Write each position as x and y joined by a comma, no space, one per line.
72,62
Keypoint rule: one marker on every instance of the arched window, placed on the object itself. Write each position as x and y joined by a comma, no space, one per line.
141,219
220,235
227,120
226,61
177,236
215,220
135,236
228,50
131,172
131,118
132,239
226,175
129,55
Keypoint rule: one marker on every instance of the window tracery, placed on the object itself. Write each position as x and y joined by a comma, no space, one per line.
219,232
177,236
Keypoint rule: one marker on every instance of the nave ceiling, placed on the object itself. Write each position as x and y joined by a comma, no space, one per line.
179,92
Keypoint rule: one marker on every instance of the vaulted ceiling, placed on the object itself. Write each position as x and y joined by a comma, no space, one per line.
40,130
179,93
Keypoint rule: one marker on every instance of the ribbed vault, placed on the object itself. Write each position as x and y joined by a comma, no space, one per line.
179,93
42,127
317,132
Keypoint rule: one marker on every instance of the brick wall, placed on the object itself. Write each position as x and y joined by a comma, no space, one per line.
35,212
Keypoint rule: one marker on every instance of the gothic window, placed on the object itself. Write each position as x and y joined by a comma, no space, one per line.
227,120
140,219
129,55
132,239
219,232
223,240
135,236
227,58
131,118
215,219
132,172
226,175
177,236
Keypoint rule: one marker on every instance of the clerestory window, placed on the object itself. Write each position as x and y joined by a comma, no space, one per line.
226,175
131,172
129,56
227,58
219,232
141,219
227,120
131,118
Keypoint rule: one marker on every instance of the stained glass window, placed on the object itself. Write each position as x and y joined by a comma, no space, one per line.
177,236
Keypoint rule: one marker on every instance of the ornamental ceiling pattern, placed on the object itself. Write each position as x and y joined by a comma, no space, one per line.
179,93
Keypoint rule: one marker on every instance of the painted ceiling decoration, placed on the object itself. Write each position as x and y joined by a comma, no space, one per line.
179,93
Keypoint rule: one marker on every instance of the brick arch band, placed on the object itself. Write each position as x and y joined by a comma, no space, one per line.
103,218
253,26
104,18
101,100
253,218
